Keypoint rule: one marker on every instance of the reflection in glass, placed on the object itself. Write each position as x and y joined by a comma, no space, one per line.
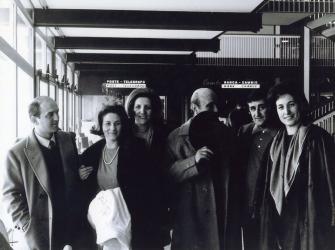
6,21
25,86
24,38
7,104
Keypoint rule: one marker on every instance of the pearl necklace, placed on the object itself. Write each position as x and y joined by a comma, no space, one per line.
104,156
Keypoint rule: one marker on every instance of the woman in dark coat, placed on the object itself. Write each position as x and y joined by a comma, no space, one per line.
144,109
298,210
119,160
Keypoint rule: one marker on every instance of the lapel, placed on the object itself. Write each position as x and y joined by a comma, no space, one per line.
37,162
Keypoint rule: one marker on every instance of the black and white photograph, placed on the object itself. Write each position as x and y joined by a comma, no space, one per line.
167,125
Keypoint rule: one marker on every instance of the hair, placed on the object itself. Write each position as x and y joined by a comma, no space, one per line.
290,88
120,111
156,105
34,108
256,95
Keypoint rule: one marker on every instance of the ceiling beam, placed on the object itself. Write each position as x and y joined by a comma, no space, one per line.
126,68
320,23
108,43
180,20
330,33
130,58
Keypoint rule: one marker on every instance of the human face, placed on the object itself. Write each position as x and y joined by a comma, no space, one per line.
258,111
47,123
142,111
288,111
111,127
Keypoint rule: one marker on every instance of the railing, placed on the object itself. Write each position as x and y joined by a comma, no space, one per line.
299,6
322,51
253,50
324,116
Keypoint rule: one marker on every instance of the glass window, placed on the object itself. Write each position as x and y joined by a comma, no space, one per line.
76,114
59,67
61,108
69,75
44,88
6,21
52,90
70,111
49,60
65,110
40,54
25,87
24,38
7,104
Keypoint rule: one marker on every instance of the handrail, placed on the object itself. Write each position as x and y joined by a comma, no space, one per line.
253,50
323,110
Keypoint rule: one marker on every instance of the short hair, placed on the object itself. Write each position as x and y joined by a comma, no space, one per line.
256,95
290,88
120,111
34,108
156,104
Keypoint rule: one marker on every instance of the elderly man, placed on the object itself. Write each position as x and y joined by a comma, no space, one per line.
40,189
255,139
200,197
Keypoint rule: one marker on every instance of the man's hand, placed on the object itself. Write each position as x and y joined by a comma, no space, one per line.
85,171
203,153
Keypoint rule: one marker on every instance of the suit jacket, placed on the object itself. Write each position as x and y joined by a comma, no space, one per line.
202,206
26,190
137,180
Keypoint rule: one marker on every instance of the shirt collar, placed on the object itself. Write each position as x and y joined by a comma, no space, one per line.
43,141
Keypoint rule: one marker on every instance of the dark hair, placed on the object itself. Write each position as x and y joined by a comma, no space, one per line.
156,104
290,88
257,94
115,109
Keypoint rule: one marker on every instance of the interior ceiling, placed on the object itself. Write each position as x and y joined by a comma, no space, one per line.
180,22
155,5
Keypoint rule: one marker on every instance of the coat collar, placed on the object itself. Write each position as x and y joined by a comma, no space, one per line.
37,162
185,128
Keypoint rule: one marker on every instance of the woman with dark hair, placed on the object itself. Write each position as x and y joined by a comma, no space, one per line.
119,160
298,211
144,108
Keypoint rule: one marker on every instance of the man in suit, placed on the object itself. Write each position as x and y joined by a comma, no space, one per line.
200,178
40,187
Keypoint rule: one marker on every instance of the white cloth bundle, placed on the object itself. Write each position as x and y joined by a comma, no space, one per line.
109,215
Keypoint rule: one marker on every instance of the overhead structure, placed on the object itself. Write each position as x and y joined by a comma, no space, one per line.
178,20
107,43
129,58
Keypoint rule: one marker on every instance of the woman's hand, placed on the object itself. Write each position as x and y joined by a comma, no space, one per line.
85,171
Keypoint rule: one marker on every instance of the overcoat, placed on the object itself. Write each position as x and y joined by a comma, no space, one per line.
309,207
202,204
137,183
27,195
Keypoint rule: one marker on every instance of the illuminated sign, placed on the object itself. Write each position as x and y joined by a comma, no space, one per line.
131,84
240,85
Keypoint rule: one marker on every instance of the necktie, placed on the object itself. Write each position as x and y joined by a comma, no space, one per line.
52,145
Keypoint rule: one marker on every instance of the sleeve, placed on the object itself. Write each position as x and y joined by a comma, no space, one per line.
14,200
180,170
326,150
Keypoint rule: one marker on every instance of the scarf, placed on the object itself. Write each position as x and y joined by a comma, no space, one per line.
284,167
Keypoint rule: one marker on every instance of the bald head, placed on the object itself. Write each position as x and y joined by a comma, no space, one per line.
43,112
203,99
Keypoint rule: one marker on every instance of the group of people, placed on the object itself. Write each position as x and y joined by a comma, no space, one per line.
270,187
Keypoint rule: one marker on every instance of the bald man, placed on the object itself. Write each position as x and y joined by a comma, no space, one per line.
199,203
40,191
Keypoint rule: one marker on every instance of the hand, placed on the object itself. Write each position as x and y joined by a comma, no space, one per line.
203,153
85,171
